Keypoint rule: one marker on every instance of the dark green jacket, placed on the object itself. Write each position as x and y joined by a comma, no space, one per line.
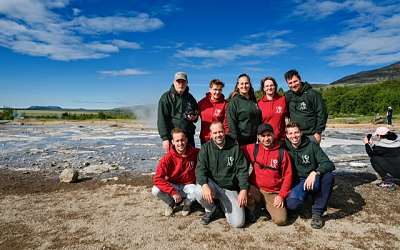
312,119
243,116
227,167
308,157
171,113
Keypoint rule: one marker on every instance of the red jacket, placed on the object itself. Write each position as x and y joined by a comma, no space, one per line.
268,179
176,169
273,112
210,111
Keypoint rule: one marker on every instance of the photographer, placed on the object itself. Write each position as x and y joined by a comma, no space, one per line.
177,108
385,156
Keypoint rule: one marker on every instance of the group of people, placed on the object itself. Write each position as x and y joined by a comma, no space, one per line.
287,161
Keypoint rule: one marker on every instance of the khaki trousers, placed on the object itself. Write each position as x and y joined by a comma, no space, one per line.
278,215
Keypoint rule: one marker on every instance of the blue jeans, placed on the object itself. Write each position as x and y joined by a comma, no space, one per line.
322,191
183,190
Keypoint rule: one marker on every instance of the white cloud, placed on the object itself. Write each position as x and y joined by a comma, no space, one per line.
32,27
219,57
370,37
114,24
173,46
125,72
125,45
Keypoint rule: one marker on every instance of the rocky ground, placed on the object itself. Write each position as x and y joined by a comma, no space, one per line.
38,212
119,212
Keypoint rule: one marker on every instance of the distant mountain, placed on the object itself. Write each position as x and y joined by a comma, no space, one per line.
391,72
44,107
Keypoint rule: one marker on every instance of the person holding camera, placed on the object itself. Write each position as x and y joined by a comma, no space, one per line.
243,114
385,156
177,108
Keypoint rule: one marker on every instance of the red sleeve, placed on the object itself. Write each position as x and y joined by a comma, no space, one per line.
248,152
287,175
162,172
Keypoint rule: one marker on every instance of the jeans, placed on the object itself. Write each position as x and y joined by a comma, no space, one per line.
322,191
229,203
187,191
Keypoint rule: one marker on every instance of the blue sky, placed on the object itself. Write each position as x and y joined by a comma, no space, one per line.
99,54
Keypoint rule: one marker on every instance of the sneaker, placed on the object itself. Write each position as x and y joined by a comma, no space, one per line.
316,221
206,219
387,185
169,209
186,210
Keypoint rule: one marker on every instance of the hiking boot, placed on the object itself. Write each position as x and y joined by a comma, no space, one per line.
387,185
169,209
250,216
206,219
186,210
316,221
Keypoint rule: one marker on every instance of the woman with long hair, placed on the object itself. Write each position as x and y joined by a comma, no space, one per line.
243,114
385,156
273,107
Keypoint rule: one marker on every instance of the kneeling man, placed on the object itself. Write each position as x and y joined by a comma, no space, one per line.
271,178
175,175
222,173
312,173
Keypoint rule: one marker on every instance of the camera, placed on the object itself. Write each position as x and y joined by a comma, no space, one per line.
369,136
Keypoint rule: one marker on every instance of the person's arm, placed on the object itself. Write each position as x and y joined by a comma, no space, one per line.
287,176
310,181
159,177
232,120
162,119
201,169
324,164
321,113
242,169
242,198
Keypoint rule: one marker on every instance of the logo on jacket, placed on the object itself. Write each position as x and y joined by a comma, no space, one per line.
230,161
279,109
274,163
306,159
191,165
303,106
217,112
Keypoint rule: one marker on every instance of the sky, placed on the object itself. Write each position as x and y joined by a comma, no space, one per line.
101,54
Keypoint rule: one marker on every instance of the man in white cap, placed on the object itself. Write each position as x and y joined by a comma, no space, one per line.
177,108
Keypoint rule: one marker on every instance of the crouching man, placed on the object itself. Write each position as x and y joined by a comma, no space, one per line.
312,173
271,178
222,174
175,175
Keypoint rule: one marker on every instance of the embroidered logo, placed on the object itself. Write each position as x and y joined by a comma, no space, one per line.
306,159
303,106
230,161
279,109
217,112
191,165
274,163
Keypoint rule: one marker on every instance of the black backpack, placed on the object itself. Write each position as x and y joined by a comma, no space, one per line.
280,158
305,99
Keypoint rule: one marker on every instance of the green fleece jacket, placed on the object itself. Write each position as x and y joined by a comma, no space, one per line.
306,158
227,167
312,119
171,113
243,116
